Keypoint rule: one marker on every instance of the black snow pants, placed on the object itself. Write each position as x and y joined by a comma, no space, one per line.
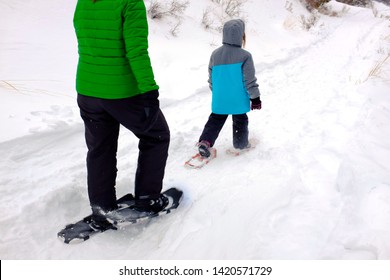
215,124
142,116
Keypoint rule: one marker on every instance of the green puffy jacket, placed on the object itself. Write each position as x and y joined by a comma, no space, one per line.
113,49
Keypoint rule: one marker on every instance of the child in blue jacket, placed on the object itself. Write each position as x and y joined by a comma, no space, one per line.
234,89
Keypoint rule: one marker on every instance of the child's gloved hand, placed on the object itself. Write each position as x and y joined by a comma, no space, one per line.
256,103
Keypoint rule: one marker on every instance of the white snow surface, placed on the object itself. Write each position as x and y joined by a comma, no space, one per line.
317,186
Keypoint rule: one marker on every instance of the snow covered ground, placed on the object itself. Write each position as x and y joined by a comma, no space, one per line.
317,186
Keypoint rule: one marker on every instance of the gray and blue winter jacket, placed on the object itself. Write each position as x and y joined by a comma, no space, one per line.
232,77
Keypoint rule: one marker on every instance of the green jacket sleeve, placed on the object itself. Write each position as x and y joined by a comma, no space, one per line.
135,33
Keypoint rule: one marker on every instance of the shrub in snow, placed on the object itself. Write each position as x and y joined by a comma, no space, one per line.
317,4
220,11
360,3
313,4
173,8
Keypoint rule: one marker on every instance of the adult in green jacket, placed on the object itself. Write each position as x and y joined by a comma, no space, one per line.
116,85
